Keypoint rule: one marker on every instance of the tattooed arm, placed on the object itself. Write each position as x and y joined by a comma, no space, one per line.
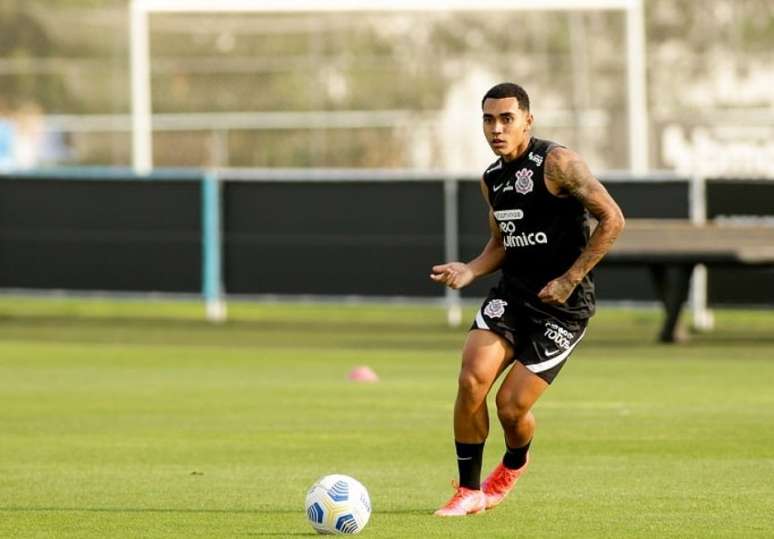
568,175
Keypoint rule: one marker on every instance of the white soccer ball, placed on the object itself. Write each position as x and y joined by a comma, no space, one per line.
338,504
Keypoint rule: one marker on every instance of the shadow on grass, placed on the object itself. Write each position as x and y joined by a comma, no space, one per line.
746,340
290,324
320,334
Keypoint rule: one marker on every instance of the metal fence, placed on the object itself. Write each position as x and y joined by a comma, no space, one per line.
310,233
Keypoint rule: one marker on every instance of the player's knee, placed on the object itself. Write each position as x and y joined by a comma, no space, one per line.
511,411
471,386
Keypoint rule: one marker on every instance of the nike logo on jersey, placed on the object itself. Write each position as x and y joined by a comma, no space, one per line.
498,187
551,354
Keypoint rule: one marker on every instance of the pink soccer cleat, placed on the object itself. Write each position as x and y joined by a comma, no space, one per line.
500,482
465,501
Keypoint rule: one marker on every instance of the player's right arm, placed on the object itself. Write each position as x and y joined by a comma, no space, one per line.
459,274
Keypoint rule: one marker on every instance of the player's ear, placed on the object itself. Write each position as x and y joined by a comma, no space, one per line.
530,119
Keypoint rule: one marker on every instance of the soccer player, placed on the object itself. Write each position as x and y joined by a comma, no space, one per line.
540,195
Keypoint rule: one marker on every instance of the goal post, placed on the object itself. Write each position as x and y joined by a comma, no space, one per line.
139,11
141,105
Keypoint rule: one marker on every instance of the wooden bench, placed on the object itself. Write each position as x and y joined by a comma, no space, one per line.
672,248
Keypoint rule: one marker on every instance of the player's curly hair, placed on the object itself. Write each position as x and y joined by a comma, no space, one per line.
508,89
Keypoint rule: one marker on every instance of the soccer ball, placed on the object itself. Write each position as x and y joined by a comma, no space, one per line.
338,504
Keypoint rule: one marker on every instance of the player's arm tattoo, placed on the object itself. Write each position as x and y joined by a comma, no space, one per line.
571,174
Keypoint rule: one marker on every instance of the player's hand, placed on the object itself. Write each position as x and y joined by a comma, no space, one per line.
557,291
453,274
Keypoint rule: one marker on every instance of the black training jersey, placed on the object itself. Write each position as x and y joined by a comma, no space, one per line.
543,234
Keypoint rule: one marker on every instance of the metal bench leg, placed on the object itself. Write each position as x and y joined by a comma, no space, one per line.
672,285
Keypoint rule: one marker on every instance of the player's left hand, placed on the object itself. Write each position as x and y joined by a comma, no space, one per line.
557,291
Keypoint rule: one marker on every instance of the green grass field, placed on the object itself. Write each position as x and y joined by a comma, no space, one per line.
136,419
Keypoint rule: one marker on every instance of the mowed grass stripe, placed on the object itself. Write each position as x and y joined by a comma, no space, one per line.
121,422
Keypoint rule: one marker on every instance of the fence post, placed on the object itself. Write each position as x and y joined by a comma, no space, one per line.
702,316
212,250
451,246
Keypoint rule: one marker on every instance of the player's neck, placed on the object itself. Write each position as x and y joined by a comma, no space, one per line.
519,151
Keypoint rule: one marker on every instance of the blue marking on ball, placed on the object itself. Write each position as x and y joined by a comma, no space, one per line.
315,513
339,492
346,524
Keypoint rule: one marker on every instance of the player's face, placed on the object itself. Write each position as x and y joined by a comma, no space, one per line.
506,126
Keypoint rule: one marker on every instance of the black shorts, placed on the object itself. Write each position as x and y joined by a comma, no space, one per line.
542,342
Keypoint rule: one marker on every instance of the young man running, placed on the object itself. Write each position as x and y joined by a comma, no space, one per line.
540,195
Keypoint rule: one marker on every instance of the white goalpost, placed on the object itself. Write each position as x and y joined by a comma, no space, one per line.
141,112
139,11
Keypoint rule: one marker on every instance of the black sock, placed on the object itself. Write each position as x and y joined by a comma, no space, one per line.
515,458
469,458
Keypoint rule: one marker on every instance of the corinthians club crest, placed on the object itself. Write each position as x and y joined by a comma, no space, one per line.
495,308
524,182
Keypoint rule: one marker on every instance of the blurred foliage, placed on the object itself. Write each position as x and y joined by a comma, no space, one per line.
72,57
23,38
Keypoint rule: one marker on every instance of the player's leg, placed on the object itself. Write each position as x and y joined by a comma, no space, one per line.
546,346
484,357
518,393
547,343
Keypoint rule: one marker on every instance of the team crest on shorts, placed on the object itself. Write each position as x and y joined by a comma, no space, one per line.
524,183
495,308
